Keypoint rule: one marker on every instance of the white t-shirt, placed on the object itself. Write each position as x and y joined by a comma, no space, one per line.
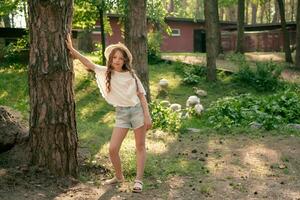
123,90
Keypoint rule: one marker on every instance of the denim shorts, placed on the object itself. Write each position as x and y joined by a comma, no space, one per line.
129,117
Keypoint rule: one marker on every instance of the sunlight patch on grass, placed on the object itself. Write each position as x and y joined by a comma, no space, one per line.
258,158
109,118
3,95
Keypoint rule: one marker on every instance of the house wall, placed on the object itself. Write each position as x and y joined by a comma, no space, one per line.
266,41
184,42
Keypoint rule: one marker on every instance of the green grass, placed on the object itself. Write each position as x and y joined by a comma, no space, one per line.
14,88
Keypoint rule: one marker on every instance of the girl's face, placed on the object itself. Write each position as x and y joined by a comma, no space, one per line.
118,61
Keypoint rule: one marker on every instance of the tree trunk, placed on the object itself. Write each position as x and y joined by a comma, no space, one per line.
212,34
102,29
240,27
171,6
254,13
25,9
136,39
6,21
246,12
286,42
198,7
298,37
262,12
53,134
292,10
232,13
276,14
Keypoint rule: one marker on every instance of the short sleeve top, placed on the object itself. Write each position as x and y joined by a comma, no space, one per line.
123,87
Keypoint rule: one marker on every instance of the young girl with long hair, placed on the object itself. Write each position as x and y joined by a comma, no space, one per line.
121,87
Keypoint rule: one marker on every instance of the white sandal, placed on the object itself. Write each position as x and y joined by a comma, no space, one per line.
138,186
113,180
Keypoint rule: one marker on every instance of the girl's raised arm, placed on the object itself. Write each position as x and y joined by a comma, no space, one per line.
75,54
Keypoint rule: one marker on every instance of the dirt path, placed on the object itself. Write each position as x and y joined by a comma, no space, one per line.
236,167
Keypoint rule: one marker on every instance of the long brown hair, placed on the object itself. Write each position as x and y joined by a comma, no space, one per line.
126,67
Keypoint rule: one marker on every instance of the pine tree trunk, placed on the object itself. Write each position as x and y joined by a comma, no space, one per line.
212,34
298,37
254,13
136,39
102,29
286,42
262,12
246,12
6,21
276,14
171,6
53,134
240,27
292,3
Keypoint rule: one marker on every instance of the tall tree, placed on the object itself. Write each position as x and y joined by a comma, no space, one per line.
171,7
298,37
254,13
212,35
246,11
286,37
53,134
136,39
292,5
276,13
240,26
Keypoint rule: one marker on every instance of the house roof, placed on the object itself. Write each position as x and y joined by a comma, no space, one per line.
12,32
6,32
180,19
262,27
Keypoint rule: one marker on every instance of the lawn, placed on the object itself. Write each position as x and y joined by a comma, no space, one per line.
228,163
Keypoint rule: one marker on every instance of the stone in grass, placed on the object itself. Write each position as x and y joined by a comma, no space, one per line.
198,109
163,83
12,130
175,107
192,101
294,126
200,92
255,125
193,130
165,103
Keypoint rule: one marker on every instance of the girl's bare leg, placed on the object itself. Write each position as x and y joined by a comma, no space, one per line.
140,137
116,140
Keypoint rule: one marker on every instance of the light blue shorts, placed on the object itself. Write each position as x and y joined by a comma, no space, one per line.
129,117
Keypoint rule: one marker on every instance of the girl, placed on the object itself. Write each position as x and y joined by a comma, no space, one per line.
121,88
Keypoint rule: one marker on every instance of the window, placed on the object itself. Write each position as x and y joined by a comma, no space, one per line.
175,32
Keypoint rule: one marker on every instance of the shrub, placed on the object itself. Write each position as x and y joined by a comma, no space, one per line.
270,111
264,78
98,53
17,51
154,53
164,118
193,74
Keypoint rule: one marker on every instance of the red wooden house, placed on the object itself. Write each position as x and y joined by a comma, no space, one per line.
188,35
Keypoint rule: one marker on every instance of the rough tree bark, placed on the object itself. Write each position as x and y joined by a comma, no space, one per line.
240,26
254,13
136,39
286,37
212,34
298,37
52,124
